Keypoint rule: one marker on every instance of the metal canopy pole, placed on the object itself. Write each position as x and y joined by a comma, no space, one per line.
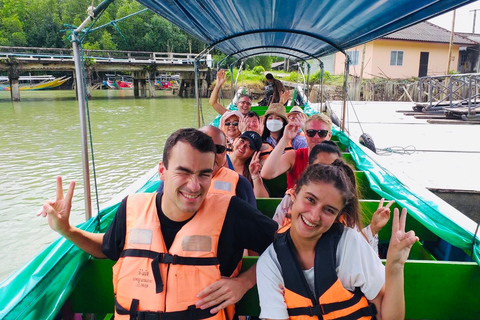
83,125
197,93
81,103
344,109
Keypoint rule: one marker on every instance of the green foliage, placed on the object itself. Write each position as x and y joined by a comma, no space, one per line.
294,77
453,72
258,70
37,23
245,75
315,78
264,61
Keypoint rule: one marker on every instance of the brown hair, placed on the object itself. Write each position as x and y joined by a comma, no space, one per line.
195,138
341,176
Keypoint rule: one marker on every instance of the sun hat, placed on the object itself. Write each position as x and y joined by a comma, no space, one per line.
277,109
228,114
254,139
295,109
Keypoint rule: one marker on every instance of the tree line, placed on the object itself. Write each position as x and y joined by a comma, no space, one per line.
45,23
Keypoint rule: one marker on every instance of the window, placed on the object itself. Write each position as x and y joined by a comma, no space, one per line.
353,55
396,58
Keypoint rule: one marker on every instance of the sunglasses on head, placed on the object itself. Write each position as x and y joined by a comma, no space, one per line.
228,123
220,149
321,133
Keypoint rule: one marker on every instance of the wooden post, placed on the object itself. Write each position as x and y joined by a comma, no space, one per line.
151,83
13,76
88,79
361,73
451,42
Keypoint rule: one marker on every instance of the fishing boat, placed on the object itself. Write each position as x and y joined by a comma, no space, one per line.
46,82
442,275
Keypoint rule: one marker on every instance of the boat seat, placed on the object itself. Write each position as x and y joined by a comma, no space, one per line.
94,290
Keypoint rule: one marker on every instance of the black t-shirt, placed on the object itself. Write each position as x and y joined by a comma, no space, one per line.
244,228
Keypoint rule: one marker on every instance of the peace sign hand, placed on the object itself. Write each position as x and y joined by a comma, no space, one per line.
58,211
255,166
380,217
401,242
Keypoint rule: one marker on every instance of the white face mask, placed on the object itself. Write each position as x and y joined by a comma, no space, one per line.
274,125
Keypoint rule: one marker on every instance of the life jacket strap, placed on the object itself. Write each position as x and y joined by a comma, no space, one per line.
192,313
167,258
319,311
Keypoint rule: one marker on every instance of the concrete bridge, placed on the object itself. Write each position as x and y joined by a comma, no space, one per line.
143,66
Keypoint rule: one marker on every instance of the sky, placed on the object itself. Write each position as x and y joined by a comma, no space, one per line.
463,19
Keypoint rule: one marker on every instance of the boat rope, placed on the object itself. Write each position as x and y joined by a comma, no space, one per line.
396,149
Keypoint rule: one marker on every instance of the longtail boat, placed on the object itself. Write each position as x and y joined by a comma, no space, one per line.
442,275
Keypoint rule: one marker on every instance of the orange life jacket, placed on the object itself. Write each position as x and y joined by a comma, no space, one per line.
224,182
267,148
148,280
334,301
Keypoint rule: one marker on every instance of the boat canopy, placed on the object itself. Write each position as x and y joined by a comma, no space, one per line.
299,29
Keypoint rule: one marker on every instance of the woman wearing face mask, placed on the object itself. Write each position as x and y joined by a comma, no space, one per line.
275,120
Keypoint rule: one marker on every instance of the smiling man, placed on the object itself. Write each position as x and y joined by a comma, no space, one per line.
244,102
176,252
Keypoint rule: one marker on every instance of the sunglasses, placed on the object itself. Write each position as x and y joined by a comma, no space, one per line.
321,133
231,123
220,149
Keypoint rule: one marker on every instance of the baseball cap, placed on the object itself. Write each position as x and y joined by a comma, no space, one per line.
254,139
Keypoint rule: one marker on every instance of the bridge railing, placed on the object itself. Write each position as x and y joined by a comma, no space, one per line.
29,53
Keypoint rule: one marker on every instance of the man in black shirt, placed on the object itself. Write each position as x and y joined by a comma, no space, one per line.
186,170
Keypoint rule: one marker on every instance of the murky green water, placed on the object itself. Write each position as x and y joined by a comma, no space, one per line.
40,139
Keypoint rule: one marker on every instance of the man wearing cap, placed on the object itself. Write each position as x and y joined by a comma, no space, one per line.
246,161
277,87
318,128
244,101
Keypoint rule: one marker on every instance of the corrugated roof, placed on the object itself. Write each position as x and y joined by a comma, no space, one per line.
428,32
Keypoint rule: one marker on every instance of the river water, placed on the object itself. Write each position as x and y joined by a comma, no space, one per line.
40,139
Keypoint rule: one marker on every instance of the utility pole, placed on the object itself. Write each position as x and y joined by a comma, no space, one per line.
451,43
474,19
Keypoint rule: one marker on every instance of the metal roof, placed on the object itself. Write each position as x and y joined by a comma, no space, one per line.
300,29
428,32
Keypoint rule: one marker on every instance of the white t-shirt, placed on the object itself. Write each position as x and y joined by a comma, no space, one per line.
357,266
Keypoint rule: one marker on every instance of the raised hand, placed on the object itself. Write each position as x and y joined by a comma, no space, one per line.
58,211
243,124
284,96
291,130
401,242
221,77
380,217
255,166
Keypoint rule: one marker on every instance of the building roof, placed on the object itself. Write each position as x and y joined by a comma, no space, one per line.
429,32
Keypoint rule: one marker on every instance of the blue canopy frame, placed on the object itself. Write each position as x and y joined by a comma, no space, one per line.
316,28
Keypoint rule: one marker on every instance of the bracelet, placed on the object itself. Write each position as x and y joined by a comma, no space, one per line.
256,177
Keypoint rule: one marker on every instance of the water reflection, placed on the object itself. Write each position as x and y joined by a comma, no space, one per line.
41,139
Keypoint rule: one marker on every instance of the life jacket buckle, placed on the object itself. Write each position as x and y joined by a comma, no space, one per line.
316,311
168,258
